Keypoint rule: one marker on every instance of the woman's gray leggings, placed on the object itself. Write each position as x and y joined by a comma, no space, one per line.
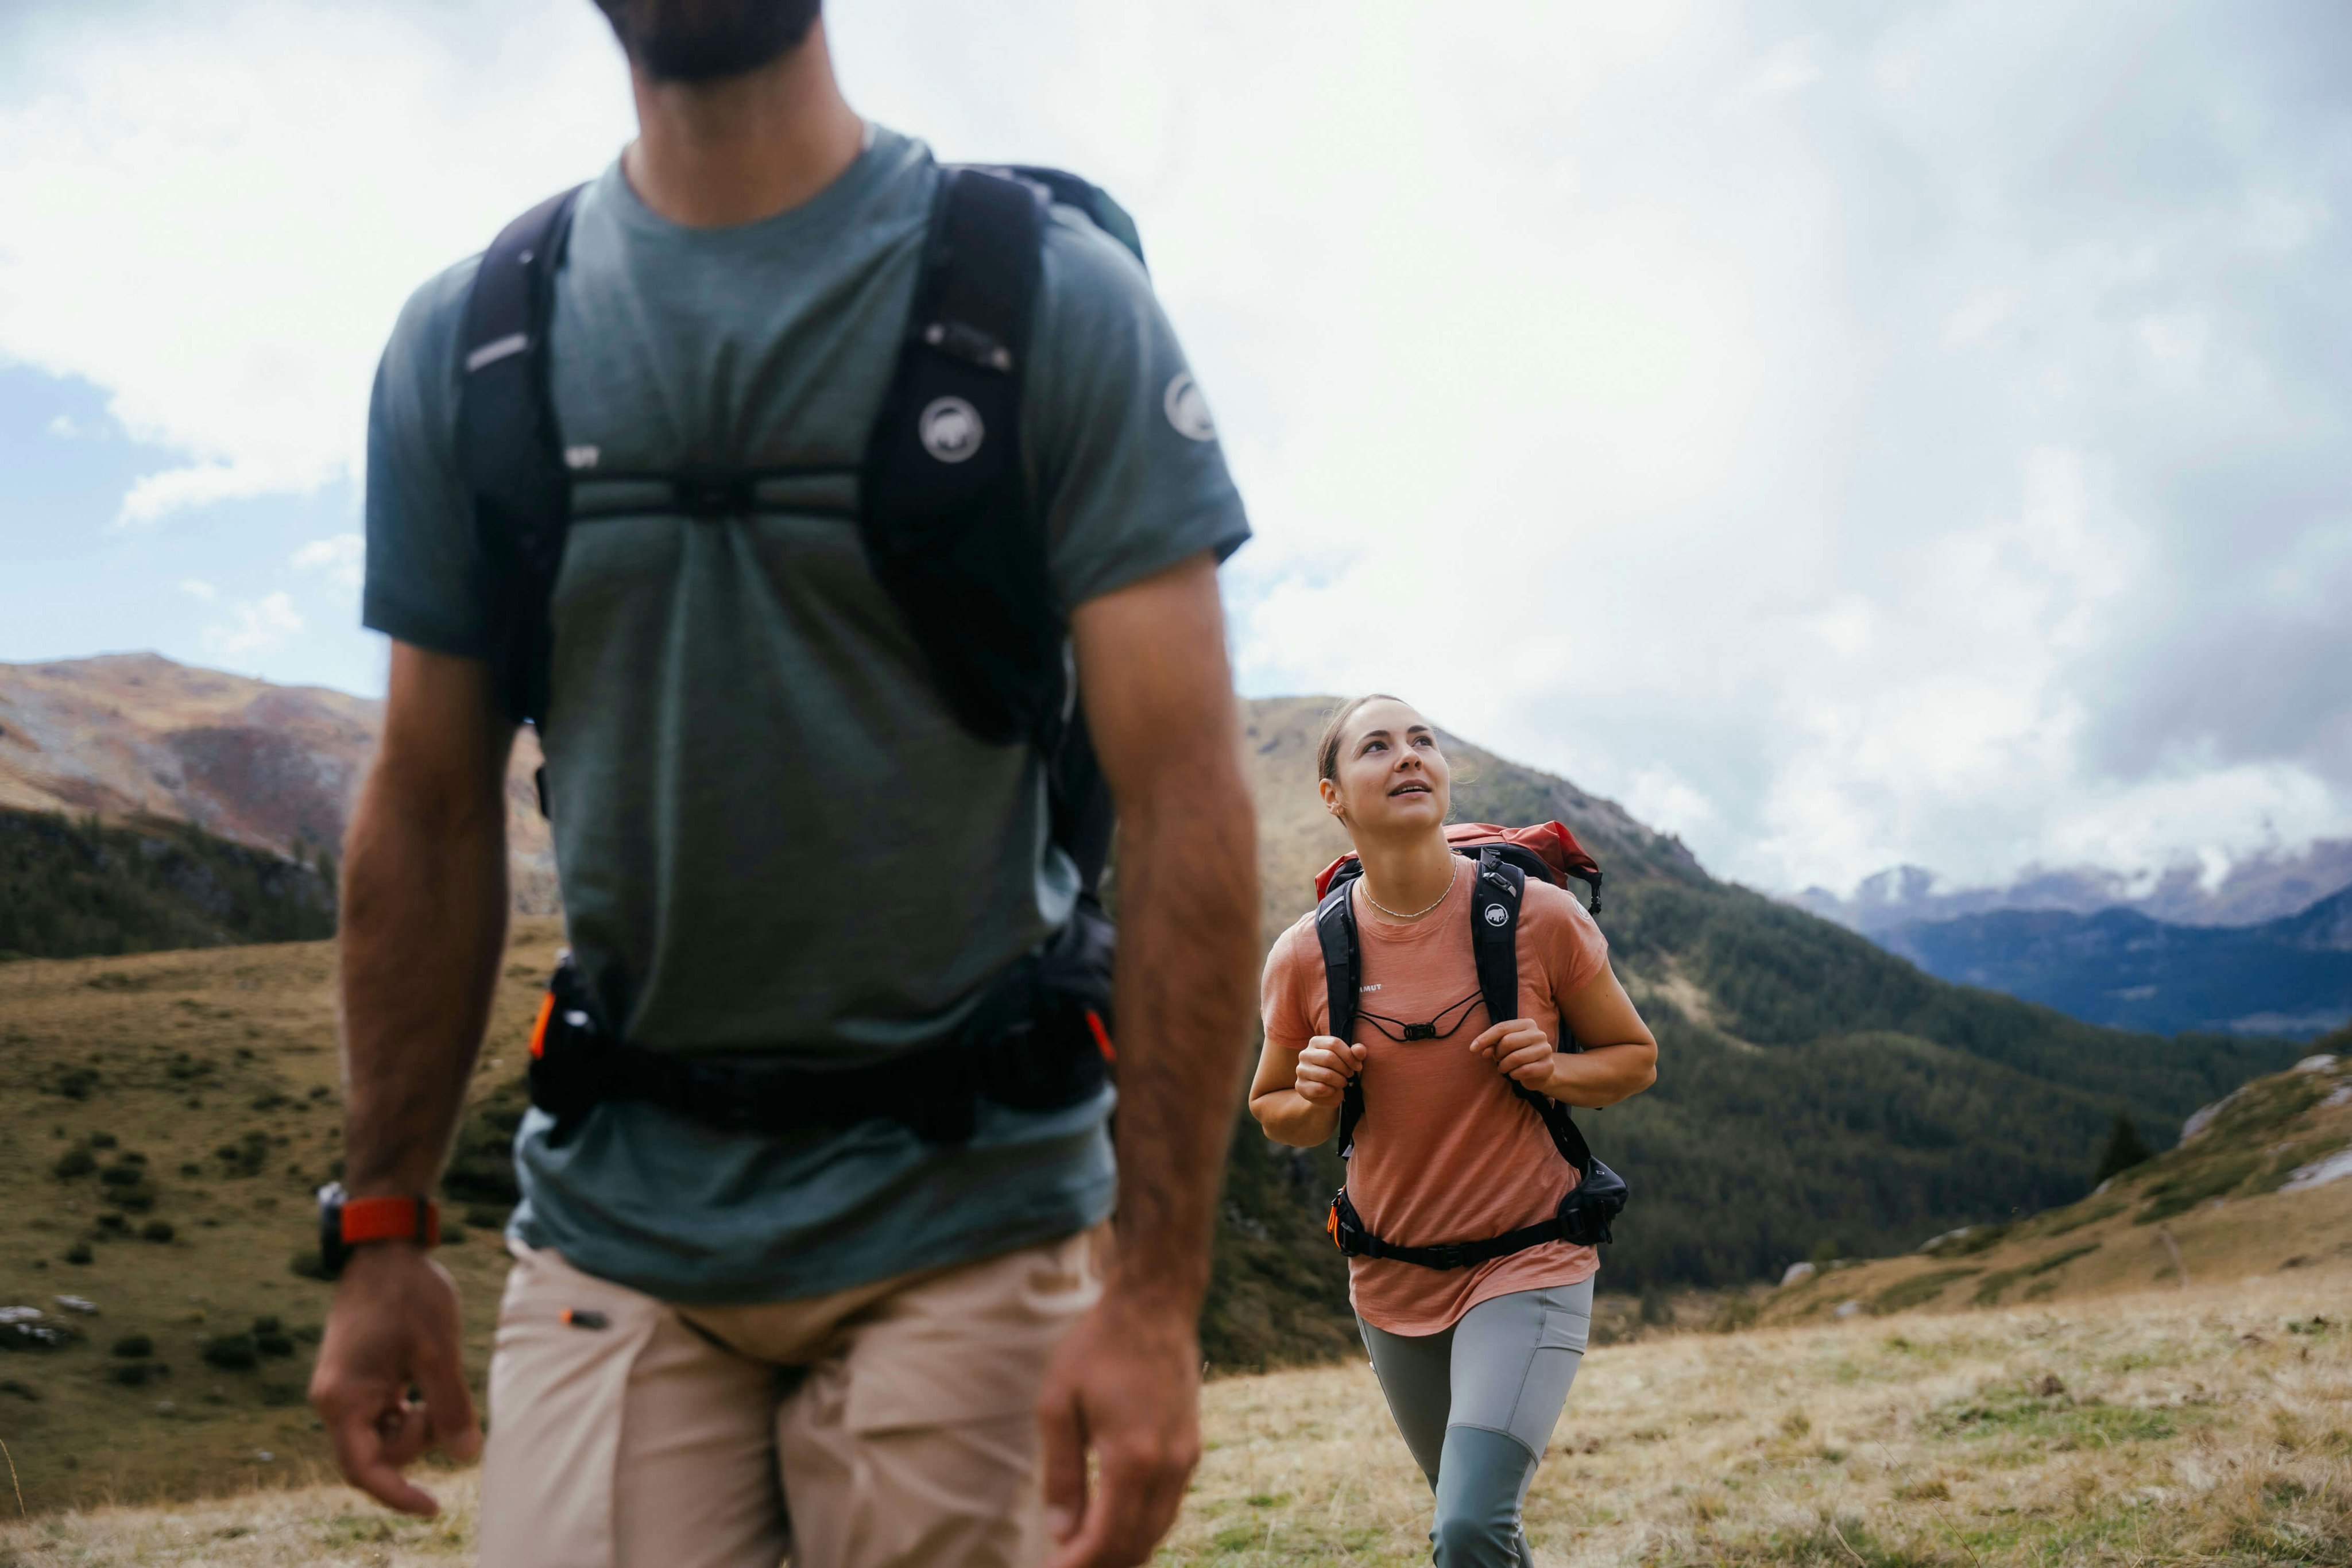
1476,1403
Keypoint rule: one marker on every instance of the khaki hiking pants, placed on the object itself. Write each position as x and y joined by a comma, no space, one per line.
892,1424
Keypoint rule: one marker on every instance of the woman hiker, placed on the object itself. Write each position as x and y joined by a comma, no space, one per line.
1475,1360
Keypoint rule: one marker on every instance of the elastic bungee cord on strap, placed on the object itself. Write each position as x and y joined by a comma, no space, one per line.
1422,1030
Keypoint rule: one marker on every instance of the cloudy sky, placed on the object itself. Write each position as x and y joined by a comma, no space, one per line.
1848,432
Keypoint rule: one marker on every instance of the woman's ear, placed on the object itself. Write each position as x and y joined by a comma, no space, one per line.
1330,790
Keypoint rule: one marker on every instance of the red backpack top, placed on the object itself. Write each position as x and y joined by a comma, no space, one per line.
1547,847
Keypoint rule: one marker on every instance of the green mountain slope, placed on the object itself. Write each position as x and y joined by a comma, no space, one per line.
70,888
1812,1086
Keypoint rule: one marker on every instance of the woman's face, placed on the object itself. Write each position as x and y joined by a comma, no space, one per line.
1391,778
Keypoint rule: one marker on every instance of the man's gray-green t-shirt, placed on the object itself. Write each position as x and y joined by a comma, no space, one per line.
771,834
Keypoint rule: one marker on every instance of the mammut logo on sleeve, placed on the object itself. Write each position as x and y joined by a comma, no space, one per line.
1496,915
951,429
1187,410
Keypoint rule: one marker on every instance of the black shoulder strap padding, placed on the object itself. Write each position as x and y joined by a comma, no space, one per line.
1089,198
1494,932
509,452
1495,942
945,515
1335,933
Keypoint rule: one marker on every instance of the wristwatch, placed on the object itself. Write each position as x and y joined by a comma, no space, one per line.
345,1222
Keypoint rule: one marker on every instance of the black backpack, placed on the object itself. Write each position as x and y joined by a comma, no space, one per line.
956,540
1586,1210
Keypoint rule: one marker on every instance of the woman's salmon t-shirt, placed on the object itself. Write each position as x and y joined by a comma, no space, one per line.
1445,1150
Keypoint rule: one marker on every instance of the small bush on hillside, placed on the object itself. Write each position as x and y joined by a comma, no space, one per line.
112,1222
74,1162
133,1345
309,1264
78,1252
232,1353
137,1199
75,1083
102,1140
130,1373
157,1230
123,1174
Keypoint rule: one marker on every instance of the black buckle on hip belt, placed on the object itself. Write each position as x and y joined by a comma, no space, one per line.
1039,1039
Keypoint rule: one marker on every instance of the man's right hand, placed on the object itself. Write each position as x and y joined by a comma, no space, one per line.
1324,1068
393,1326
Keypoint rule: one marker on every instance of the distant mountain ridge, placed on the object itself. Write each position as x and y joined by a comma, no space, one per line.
2118,968
136,736
2264,887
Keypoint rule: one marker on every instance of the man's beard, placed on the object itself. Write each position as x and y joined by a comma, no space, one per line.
703,40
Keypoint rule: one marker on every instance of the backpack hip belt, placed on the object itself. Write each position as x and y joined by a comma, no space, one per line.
1039,1039
1580,1225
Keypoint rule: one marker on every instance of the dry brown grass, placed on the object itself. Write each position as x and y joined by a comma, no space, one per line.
2200,1427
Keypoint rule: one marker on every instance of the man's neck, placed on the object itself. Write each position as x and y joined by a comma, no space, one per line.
719,153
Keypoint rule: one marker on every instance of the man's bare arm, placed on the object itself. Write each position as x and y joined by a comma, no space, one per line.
423,926
424,919
1160,704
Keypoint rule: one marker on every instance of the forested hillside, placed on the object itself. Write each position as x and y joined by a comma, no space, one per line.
70,888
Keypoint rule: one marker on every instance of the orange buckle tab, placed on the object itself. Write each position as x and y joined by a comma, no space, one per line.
539,1029
1102,1035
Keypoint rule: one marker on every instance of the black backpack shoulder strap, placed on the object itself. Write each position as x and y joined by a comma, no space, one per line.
509,450
1335,934
944,504
1494,932
1495,941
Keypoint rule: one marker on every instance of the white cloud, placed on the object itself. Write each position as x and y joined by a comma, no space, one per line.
215,212
1904,437
341,558
197,588
155,496
255,626
62,428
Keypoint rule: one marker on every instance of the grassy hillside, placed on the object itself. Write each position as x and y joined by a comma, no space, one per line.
69,888
164,1119
2157,1431
2263,1186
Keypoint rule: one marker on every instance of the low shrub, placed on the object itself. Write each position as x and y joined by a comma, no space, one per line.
232,1353
124,1172
102,1140
74,1162
129,1374
78,1252
157,1230
133,1345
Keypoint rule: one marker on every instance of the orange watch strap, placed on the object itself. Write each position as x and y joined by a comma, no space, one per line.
391,1220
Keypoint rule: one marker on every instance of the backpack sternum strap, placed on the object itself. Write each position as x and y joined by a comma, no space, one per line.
509,450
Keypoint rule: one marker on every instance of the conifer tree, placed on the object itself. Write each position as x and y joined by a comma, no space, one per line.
2126,1148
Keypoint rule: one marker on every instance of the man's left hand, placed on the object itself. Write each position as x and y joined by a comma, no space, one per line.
1125,1386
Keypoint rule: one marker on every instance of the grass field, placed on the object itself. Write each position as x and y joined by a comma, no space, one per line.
2211,1425
190,1097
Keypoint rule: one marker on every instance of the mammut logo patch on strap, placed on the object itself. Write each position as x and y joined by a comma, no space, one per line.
951,429
1496,915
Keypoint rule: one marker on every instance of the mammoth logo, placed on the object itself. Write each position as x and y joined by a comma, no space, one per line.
951,429
1496,915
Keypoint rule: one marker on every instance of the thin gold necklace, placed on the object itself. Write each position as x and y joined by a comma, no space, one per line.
1426,908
